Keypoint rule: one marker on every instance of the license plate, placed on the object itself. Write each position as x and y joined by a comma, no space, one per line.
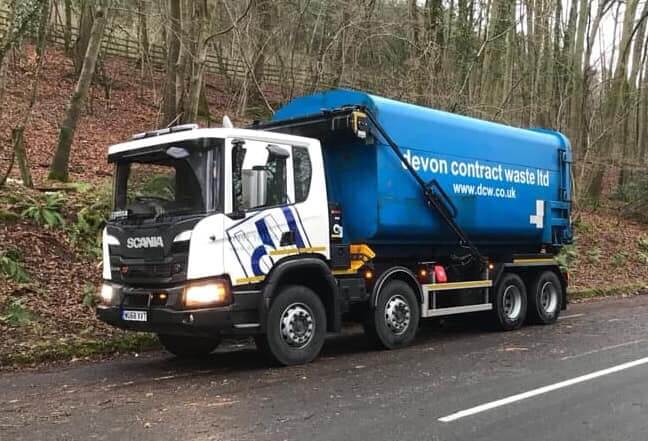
134,316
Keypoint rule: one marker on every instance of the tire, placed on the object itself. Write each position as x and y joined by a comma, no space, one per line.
394,321
509,303
183,346
296,327
545,298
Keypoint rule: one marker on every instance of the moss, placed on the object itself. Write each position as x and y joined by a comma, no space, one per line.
609,291
78,348
8,216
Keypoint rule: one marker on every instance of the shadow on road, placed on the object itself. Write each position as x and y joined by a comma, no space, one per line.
241,356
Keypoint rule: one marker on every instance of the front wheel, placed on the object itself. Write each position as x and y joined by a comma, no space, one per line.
509,303
188,347
394,321
296,327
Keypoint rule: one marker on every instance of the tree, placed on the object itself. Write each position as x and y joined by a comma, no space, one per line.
23,15
174,29
85,29
60,164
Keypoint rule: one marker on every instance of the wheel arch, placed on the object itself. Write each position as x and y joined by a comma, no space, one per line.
396,273
311,272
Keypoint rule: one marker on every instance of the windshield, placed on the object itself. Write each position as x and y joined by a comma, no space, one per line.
172,180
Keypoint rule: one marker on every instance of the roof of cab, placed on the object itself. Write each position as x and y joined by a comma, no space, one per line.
253,135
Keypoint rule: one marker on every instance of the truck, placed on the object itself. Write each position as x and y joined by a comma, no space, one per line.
344,207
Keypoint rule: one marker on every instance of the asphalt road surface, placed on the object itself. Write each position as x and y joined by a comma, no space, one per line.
585,378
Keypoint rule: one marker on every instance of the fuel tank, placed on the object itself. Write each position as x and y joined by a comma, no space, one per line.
508,188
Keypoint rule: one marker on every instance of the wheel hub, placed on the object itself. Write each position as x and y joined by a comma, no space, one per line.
297,325
549,298
397,314
512,302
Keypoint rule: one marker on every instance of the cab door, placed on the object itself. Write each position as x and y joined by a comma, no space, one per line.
260,225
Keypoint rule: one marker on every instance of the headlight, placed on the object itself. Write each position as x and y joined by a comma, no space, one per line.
212,293
106,294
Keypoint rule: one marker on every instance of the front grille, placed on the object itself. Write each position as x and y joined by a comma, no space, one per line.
144,300
143,271
171,271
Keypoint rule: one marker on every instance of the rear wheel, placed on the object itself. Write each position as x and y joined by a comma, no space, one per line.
188,347
509,303
394,321
296,327
545,298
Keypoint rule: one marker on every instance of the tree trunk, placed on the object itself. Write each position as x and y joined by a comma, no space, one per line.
642,119
18,132
576,116
620,87
18,141
143,31
59,167
200,22
638,47
42,27
67,30
173,42
501,18
85,29
264,10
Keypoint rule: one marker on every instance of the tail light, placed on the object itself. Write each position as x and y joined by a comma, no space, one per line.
440,274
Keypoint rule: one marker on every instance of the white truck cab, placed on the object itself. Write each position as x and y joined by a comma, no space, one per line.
201,218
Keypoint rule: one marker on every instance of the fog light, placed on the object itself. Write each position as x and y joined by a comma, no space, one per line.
207,294
106,294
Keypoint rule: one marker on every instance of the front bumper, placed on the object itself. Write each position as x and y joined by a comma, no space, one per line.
241,317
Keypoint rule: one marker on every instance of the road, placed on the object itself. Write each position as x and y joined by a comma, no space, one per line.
457,382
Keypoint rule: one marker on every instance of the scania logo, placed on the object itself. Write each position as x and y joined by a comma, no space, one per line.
145,242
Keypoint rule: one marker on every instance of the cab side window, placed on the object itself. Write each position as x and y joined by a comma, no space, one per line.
303,173
259,177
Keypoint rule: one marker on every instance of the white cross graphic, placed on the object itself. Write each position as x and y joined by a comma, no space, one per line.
537,219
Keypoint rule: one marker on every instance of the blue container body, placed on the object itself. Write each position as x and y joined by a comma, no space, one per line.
511,186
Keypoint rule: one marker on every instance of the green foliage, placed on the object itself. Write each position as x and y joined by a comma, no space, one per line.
16,314
594,255
161,186
567,256
619,259
93,210
11,266
8,215
582,227
89,295
635,194
25,20
44,209
642,244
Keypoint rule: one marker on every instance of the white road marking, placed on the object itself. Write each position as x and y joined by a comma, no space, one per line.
563,317
605,348
542,390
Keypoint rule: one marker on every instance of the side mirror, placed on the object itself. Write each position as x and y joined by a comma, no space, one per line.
238,154
277,152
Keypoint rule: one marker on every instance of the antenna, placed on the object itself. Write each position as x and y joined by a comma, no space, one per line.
227,123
